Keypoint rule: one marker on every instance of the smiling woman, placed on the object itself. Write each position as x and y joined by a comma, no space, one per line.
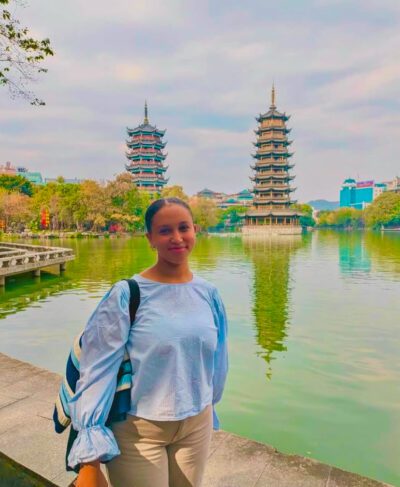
178,352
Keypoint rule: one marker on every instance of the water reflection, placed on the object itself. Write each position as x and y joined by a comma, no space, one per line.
353,255
368,252
271,287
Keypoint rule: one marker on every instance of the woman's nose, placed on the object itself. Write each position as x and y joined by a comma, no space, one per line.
176,236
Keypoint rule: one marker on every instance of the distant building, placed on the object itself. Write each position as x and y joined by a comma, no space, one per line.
211,195
8,169
393,185
146,157
34,177
223,200
359,194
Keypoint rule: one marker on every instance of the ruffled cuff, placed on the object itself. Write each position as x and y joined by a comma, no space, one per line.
94,443
215,420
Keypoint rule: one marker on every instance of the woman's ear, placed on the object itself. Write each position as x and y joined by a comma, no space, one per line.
196,227
148,236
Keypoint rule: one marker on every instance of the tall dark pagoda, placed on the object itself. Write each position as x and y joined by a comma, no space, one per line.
146,157
271,212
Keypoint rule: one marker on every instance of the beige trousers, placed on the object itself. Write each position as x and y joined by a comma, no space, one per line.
161,453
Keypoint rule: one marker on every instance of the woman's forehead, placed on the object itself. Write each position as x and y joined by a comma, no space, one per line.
172,213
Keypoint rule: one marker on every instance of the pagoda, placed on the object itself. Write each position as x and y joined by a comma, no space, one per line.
271,212
146,157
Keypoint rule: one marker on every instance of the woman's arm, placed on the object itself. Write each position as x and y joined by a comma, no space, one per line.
102,348
221,353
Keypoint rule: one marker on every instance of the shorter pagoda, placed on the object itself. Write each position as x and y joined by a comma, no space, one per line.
146,157
271,212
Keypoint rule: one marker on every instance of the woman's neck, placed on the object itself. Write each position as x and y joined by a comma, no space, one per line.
167,272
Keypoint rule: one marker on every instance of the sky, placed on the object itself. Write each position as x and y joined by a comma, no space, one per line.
206,69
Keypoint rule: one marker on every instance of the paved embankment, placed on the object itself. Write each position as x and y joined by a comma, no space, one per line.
26,435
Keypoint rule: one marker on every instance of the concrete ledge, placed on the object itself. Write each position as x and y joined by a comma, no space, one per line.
27,436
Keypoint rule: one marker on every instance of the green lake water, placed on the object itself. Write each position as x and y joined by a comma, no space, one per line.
314,335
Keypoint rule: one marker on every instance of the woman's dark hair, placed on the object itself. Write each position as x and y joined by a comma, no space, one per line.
156,206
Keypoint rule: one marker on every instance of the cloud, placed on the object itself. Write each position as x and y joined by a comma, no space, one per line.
206,69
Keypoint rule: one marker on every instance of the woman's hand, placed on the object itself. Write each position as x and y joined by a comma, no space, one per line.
90,475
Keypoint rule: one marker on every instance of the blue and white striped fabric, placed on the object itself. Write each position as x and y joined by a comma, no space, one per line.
121,404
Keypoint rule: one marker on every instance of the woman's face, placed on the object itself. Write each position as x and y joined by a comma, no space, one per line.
172,233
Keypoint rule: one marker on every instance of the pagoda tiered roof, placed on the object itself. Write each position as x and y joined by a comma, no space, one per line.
262,156
262,188
272,113
269,162
144,129
282,141
273,212
145,157
137,143
263,130
145,168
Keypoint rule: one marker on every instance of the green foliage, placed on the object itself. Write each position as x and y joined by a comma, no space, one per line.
174,192
306,220
341,218
205,212
16,183
384,210
230,218
20,55
88,206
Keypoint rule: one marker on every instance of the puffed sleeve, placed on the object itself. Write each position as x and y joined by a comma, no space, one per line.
221,353
102,351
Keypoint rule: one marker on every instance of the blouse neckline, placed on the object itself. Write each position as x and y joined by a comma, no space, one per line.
152,281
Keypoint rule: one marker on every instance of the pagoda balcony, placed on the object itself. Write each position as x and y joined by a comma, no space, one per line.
273,187
263,198
272,204
147,138
134,144
146,165
271,175
146,177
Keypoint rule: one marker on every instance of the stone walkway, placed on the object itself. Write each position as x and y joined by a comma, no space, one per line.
27,436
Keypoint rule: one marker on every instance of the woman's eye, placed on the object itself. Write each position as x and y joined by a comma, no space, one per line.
184,228
164,231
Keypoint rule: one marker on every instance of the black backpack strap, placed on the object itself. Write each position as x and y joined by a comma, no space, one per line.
134,299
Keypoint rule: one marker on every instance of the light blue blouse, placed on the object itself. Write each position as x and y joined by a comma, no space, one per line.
178,350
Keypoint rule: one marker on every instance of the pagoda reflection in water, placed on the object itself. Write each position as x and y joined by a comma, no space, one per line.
271,257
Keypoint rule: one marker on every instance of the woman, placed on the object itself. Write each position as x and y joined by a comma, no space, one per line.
177,347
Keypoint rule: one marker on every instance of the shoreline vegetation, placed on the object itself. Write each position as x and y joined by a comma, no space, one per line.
116,207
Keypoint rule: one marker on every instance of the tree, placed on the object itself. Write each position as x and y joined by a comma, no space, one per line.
384,210
20,55
16,183
306,220
14,208
231,217
205,212
174,192
342,217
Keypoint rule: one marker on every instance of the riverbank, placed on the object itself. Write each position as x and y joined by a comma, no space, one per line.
27,437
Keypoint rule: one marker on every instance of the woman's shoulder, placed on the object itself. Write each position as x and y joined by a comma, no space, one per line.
205,284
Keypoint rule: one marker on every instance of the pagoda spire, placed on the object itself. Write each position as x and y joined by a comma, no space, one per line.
273,97
146,118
